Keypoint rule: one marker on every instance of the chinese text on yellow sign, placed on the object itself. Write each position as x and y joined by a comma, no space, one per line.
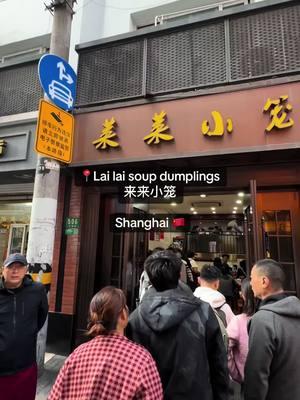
54,134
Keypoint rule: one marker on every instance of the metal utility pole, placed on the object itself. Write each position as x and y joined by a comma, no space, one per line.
44,202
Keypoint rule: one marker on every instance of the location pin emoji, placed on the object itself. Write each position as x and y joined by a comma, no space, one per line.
86,173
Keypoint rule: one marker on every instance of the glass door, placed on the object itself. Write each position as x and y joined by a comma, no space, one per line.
121,255
278,242
135,248
279,213
252,230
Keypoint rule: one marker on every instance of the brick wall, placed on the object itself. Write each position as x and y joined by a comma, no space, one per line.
72,255
57,241
72,250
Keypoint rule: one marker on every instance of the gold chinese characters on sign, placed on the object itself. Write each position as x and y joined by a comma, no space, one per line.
107,133
278,110
219,125
3,145
54,133
159,129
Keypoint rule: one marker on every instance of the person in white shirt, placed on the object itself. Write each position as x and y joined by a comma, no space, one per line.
209,281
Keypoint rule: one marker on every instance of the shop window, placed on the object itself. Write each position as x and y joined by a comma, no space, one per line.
117,259
216,236
270,222
289,270
273,248
14,228
286,249
115,271
278,243
18,237
116,244
284,223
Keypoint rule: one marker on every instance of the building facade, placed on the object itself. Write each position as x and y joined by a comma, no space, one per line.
19,97
21,46
220,79
216,88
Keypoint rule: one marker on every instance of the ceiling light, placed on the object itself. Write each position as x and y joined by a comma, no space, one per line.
173,204
233,212
202,195
195,212
235,208
239,202
213,212
213,208
192,209
241,194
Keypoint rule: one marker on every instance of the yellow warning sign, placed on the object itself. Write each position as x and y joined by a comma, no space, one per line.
54,133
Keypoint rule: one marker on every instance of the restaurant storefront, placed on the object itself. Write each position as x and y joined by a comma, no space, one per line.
252,135
219,90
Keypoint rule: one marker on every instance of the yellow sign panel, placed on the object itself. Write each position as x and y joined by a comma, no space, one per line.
54,133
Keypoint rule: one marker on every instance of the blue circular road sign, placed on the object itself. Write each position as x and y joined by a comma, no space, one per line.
58,80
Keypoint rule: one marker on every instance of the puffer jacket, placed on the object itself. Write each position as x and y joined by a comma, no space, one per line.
183,336
23,312
216,300
272,370
238,346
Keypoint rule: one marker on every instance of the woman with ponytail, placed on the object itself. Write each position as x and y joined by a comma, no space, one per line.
238,335
110,366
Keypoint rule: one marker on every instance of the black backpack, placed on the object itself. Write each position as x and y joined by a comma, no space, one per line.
221,314
221,317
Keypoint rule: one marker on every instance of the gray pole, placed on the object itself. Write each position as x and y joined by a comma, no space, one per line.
44,202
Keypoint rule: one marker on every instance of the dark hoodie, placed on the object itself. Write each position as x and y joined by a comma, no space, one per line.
272,370
183,336
23,312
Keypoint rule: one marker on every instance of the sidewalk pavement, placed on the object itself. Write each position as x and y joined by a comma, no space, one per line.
47,379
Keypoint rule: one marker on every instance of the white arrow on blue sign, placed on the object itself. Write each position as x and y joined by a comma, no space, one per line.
58,80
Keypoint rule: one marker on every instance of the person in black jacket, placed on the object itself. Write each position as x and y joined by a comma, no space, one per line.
182,334
23,311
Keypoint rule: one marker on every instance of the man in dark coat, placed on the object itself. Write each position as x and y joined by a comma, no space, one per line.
182,334
23,311
226,270
272,370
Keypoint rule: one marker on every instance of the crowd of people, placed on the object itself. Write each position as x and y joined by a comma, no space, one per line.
182,342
